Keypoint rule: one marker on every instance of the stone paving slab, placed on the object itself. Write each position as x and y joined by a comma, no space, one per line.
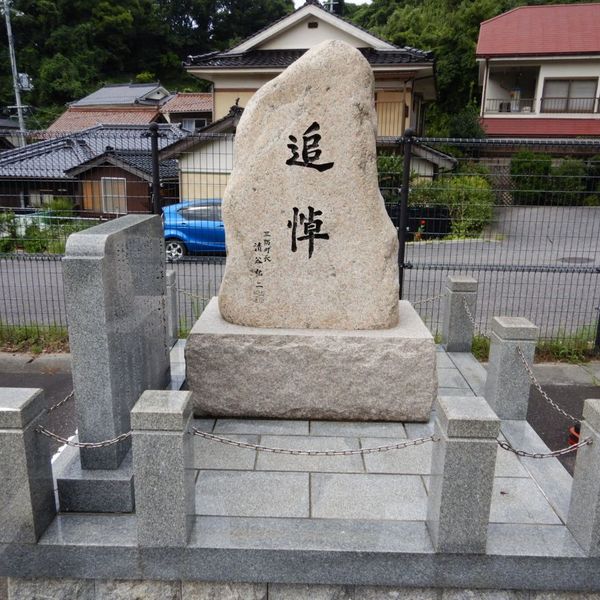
260,426
327,464
345,496
413,460
446,391
451,378
356,429
209,454
252,494
471,369
443,361
519,500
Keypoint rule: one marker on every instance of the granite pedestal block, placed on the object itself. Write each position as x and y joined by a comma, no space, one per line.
375,375
507,384
457,328
93,490
462,474
115,291
163,466
584,511
26,491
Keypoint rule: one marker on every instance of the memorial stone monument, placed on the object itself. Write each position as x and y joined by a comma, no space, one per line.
308,323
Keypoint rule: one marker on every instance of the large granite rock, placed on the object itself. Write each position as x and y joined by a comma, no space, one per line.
380,375
310,244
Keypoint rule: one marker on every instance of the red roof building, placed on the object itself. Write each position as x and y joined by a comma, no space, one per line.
77,118
539,70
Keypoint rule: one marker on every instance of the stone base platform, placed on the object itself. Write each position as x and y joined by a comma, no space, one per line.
376,375
98,490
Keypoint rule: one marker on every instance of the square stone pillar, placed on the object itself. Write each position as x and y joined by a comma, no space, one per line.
584,511
27,503
457,328
462,475
507,383
163,468
172,309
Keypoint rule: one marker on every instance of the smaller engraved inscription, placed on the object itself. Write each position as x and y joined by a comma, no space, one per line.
310,150
311,228
262,255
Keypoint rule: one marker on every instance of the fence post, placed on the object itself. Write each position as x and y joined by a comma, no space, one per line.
462,474
163,472
507,383
27,503
403,225
457,327
584,511
155,169
171,308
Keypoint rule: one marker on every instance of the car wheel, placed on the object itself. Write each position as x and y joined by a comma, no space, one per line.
175,249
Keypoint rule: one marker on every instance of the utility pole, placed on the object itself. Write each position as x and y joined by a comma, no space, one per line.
15,74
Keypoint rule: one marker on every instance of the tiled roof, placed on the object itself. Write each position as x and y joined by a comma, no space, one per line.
542,30
118,93
284,58
52,158
541,128
141,161
188,102
78,119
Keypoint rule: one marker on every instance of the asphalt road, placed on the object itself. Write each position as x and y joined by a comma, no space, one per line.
559,302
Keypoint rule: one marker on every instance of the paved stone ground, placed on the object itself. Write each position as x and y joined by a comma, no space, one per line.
242,483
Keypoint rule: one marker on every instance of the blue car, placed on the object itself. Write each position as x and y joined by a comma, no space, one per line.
194,226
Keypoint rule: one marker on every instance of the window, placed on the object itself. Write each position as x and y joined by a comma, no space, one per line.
192,125
569,95
208,212
114,195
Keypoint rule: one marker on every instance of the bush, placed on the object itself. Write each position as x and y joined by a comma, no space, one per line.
35,240
469,199
568,183
530,173
8,232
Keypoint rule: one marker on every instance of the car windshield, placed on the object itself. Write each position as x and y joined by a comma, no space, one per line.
207,212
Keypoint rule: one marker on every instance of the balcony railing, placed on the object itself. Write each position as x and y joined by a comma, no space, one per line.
569,105
501,105
547,105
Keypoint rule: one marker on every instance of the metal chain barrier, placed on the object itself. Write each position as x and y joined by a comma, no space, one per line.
430,299
555,453
544,395
469,314
103,444
191,295
63,401
295,452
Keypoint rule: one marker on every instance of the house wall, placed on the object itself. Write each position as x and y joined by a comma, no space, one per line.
204,172
388,104
300,36
226,98
137,189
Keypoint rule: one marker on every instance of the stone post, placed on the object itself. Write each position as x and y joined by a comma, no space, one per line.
462,476
584,511
457,328
171,309
27,503
163,468
507,383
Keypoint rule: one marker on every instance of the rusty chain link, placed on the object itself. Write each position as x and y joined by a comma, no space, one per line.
469,314
430,299
63,401
555,453
538,387
297,452
65,442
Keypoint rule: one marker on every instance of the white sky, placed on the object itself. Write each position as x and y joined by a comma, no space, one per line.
298,3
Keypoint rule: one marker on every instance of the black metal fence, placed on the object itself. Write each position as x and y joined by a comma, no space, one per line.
521,216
